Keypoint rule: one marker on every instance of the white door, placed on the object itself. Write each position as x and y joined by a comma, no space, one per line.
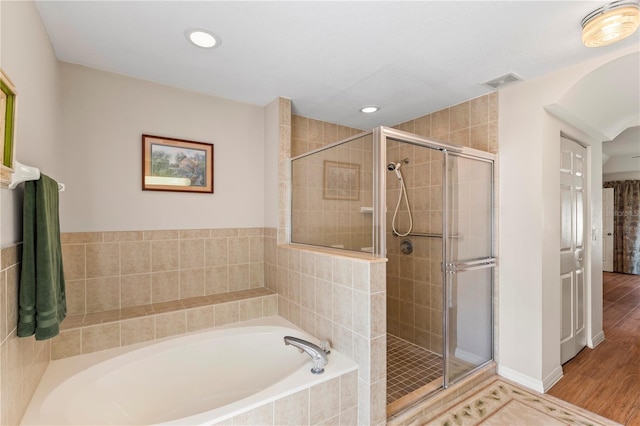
573,179
607,229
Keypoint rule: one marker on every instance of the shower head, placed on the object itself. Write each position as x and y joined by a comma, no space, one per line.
395,167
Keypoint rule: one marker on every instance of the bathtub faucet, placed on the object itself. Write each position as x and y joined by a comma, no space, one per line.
318,356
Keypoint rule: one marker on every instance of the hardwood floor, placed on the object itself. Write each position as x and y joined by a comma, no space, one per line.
606,380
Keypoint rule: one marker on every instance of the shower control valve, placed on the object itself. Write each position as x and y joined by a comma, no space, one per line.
406,246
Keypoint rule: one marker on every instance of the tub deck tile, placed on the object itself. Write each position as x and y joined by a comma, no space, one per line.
85,320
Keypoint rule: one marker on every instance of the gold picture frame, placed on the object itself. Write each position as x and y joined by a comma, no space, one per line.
170,164
341,181
7,127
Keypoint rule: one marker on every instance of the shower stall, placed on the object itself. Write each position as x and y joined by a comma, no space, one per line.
426,206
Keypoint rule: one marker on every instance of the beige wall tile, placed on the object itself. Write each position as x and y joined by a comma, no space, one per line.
250,309
224,232
256,275
342,272
348,390
342,306
171,324
459,116
191,283
75,294
3,306
349,417
165,286
325,401
135,290
191,234
80,237
216,252
200,318
100,337
250,232
460,137
164,255
73,260
103,294
479,137
479,110
13,282
135,257
293,409
10,256
226,313
270,305
239,250
66,344
138,330
191,254
103,260
161,235
239,277
440,123
122,236
256,249
262,416
299,127
216,280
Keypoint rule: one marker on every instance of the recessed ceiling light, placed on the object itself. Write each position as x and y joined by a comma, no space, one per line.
202,38
369,109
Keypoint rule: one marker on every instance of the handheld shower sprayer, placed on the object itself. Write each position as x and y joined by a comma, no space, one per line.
403,191
395,167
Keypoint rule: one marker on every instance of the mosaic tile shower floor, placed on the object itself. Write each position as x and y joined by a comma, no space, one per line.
409,367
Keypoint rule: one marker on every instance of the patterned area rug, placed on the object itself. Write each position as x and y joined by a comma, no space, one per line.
501,403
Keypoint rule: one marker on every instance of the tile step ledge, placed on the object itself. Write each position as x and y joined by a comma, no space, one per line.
96,318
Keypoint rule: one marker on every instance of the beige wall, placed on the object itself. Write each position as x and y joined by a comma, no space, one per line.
103,118
27,58
29,61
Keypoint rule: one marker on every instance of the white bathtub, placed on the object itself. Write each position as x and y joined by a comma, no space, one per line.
193,379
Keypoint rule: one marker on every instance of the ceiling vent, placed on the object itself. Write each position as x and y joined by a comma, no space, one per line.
501,81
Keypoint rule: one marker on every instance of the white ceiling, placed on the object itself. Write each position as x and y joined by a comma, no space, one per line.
330,58
625,144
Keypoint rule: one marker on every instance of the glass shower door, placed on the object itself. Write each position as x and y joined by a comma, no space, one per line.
468,265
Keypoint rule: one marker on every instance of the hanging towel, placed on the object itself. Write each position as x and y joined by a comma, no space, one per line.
42,295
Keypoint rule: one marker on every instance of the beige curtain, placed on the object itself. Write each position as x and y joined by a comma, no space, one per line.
626,225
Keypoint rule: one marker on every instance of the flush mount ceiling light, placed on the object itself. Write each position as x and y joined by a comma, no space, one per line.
369,109
202,38
611,23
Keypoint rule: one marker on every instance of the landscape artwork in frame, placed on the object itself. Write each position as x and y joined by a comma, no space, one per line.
7,127
341,181
170,164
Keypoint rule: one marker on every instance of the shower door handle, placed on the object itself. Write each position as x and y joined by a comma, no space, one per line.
469,265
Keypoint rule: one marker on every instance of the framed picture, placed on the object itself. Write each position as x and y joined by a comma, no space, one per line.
341,181
7,126
176,165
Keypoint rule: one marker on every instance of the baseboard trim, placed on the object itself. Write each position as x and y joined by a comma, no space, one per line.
596,340
552,378
521,379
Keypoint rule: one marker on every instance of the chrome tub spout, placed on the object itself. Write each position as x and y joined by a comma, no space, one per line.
318,355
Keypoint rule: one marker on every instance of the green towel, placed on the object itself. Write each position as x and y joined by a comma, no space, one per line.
42,295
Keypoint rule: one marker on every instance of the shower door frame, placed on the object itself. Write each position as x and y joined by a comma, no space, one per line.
380,136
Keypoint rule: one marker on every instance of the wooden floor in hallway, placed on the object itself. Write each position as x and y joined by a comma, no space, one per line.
606,380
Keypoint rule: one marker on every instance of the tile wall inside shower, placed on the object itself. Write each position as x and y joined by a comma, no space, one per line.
414,281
